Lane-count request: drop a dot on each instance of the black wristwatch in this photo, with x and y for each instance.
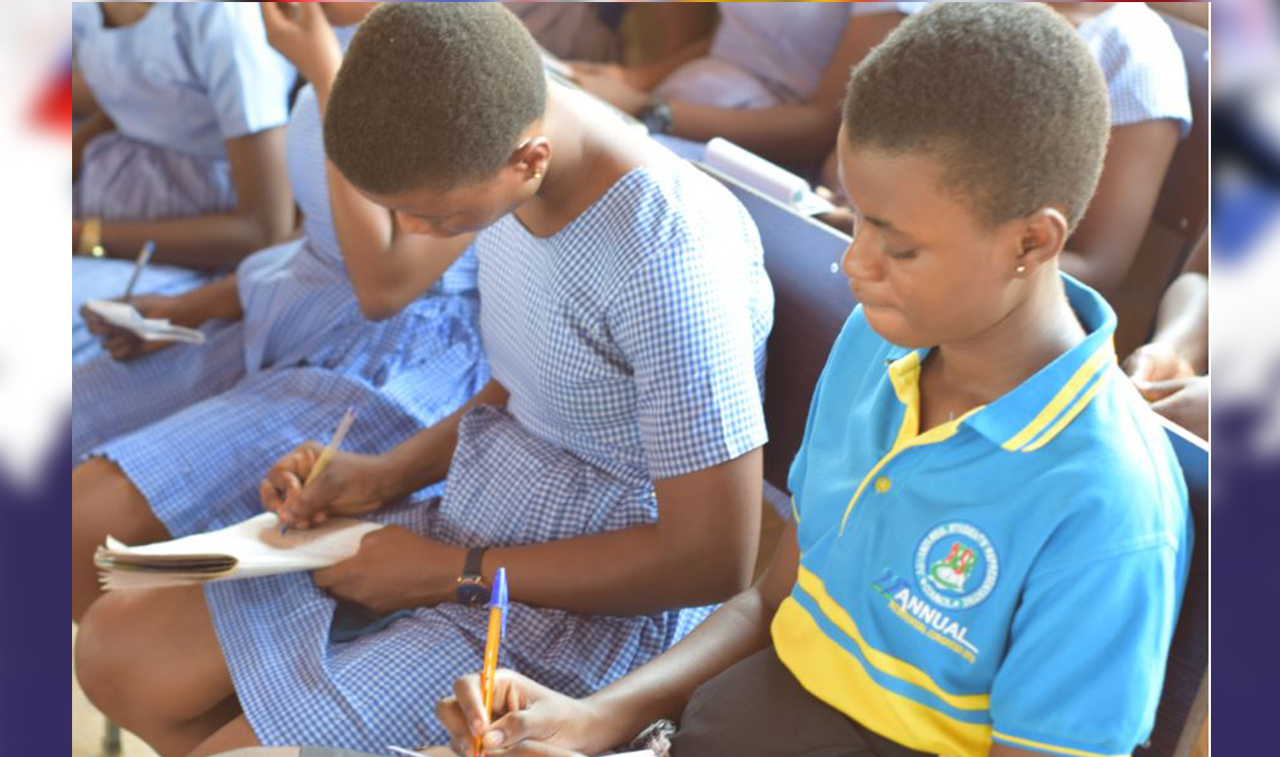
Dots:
(472, 590)
(656, 115)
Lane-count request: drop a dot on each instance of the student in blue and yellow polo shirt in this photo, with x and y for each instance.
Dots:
(991, 534)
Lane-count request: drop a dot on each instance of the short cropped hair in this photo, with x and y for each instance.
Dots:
(1004, 95)
(432, 95)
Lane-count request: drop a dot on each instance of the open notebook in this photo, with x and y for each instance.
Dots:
(254, 547)
(125, 316)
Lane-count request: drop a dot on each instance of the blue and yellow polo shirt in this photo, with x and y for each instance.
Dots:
(1013, 575)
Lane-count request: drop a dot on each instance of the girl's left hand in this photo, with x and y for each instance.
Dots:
(395, 569)
(1185, 401)
(301, 33)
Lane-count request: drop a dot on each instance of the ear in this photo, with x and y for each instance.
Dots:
(532, 157)
(1043, 235)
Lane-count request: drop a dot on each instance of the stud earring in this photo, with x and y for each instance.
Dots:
(1020, 269)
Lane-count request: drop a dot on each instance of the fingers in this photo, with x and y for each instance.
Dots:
(1139, 366)
(122, 345)
(450, 716)
(273, 16)
(469, 699)
(281, 489)
(309, 14)
(326, 578)
(1154, 391)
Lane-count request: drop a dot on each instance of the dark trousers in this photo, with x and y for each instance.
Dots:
(758, 708)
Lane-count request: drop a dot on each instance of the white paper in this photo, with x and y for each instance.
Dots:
(769, 179)
(256, 544)
(125, 316)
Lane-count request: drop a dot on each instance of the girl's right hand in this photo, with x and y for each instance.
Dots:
(1157, 361)
(301, 33)
(349, 485)
(531, 720)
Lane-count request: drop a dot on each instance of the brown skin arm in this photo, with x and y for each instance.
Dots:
(83, 103)
(94, 124)
(355, 483)
(1104, 245)
(650, 568)
(1179, 349)
(263, 214)
(630, 571)
(662, 688)
(534, 720)
(794, 134)
(388, 268)
(801, 133)
(684, 24)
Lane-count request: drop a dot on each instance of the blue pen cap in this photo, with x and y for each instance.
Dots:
(499, 596)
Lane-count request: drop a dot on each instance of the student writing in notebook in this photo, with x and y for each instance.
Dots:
(182, 143)
(625, 311)
(169, 441)
(991, 533)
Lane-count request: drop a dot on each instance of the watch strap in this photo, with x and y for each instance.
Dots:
(471, 566)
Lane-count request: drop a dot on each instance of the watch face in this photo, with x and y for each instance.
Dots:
(470, 593)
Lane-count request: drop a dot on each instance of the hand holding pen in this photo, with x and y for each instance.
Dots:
(301, 497)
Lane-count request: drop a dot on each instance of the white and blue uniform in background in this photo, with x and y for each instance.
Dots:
(178, 84)
(196, 427)
(764, 55)
(632, 343)
(1146, 76)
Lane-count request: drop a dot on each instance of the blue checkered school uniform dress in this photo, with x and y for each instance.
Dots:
(1146, 76)
(632, 343)
(195, 427)
(177, 84)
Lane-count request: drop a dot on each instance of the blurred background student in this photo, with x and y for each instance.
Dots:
(769, 78)
(180, 141)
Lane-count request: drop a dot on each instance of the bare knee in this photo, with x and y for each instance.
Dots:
(104, 501)
(101, 663)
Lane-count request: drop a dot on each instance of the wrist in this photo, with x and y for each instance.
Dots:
(321, 75)
(609, 722)
(218, 300)
(383, 478)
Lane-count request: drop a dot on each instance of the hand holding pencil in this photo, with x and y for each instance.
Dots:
(306, 486)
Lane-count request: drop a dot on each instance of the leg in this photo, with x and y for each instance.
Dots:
(234, 735)
(103, 501)
(757, 707)
(150, 661)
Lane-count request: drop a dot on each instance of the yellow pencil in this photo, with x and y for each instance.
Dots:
(327, 453)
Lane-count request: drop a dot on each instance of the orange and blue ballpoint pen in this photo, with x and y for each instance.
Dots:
(497, 628)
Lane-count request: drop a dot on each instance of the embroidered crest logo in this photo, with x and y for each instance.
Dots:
(950, 573)
(956, 566)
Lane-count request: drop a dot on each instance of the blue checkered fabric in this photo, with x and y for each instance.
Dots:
(632, 342)
(122, 178)
(194, 427)
(635, 336)
(1143, 65)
